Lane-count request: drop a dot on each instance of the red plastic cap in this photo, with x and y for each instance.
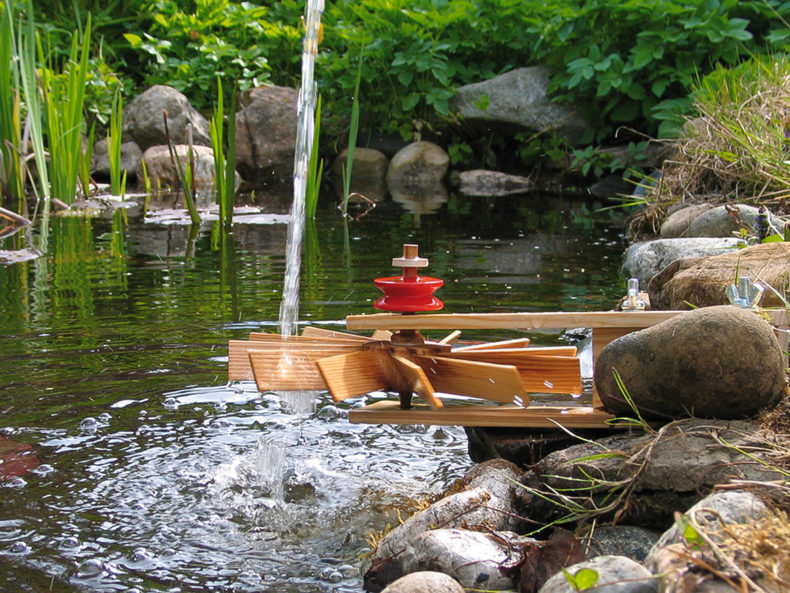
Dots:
(408, 295)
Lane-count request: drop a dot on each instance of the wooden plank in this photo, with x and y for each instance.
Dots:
(545, 320)
(492, 354)
(275, 370)
(451, 338)
(353, 374)
(552, 374)
(388, 412)
(303, 340)
(417, 380)
(495, 382)
(312, 331)
(516, 343)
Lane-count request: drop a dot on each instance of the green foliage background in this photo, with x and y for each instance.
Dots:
(626, 62)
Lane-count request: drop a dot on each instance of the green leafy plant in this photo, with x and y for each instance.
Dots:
(583, 579)
(185, 173)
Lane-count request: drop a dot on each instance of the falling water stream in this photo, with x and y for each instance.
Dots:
(289, 308)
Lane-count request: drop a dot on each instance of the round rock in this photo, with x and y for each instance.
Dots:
(715, 362)
(425, 582)
(417, 167)
(612, 574)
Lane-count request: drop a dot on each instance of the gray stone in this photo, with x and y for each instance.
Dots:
(520, 98)
(425, 582)
(266, 134)
(417, 168)
(615, 574)
(487, 491)
(677, 224)
(702, 282)
(723, 221)
(143, 119)
(163, 173)
(699, 363)
(472, 558)
(623, 540)
(130, 158)
(481, 183)
(368, 173)
(646, 259)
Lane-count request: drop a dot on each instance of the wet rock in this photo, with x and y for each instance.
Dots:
(723, 221)
(670, 470)
(542, 560)
(266, 134)
(425, 582)
(130, 159)
(368, 174)
(611, 186)
(670, 558)
(702, 282)
(470, 557)
(702, 363)
(646, 259)
(615, 574)
(623, 540)
(519, 98)
(163, 172)
(418, 168)
(143, 120)
(677, 224)
(486, 499)
(481, 183)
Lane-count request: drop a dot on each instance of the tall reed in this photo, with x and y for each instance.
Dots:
(315, 170)
(352, 139)
(224, 163)
(34, 126)
(185, 175)
(12, 175)
(64, 102)
(114, 141)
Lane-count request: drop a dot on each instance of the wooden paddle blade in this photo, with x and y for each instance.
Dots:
(495, 382)
(287, 370)
(319, 332)
(516, 343)
(382, 335)
(552, 374)
(417, 380)
(349, 375)
(240, 369)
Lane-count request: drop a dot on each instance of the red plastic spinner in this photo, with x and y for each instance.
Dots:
(409, 293)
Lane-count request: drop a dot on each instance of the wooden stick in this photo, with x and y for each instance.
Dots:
(549, 320)
(312, 331)
(388, 412)
(518, 342)
(418, 382)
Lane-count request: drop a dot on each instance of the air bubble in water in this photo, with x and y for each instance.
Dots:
(19, 548)
(90, 569)
(43, 469)
(170, 403)
(331, 575)
(15, 483)
(89, 424)
(70, 543)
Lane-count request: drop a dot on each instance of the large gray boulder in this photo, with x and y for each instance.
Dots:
(266, 134)
(677, 224)
(368, 172)
(143, 119)
(419, 167)
(646, 259)
(519, 97)
(715, 362)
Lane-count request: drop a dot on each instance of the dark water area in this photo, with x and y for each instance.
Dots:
(143, 470)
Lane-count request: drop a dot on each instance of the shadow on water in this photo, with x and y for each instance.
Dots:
(154, 475)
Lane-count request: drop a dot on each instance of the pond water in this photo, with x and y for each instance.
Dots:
(153, 474)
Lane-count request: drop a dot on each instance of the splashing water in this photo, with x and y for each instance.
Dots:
(289, 307)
